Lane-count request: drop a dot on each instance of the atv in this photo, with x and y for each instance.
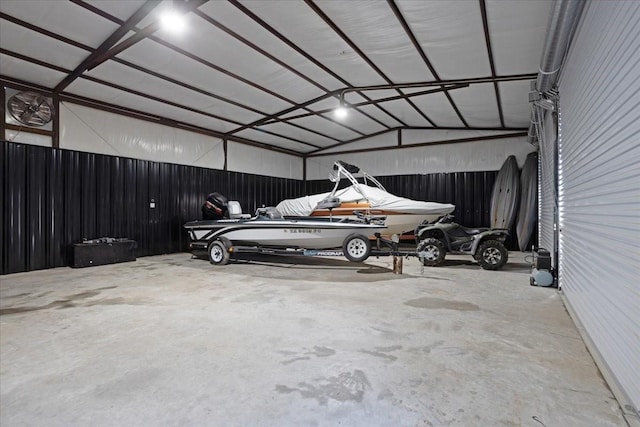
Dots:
(485, 245)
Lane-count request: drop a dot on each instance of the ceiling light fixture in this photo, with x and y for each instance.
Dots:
(173, 21)
(341, 112)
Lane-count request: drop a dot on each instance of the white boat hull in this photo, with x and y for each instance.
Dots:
(403, 223)
(307, 234)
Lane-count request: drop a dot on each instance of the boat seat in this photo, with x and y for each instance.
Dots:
(235, 210)
(329, 203)
(269, 212)
(274, 213)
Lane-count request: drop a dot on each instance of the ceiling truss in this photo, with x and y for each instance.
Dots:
(295, 114)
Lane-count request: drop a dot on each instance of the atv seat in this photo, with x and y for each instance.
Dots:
(474, 231)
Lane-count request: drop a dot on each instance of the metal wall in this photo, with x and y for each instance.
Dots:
(599, 188)
(53, 198)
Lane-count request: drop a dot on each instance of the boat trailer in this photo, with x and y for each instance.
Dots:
(381, 247)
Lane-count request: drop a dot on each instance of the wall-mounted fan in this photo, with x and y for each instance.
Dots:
(30, 109)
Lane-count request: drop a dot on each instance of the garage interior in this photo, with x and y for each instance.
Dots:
(118, 125)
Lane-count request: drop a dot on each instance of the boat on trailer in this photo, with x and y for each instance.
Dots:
(269, 232)
(402, 214)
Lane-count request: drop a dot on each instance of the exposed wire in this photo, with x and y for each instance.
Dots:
(16, 135)
(535, 418)
(94, 131)
(206, 152)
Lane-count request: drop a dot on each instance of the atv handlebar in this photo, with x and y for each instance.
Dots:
(445, 219)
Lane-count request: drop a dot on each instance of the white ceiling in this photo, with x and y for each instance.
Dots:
(271, 71)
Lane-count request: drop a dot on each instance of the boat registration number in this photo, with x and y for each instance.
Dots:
(303, 230)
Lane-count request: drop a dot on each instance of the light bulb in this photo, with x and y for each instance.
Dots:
(172, 21)
(341, 112)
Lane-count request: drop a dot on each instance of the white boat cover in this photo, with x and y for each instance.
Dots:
(379, 199)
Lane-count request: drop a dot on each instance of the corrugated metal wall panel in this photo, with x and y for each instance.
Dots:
(88, 194)
(71, 195)
(3, 183)
(103, 197)
(52, 198)
(141, 233)
(129, 219)
(55, 207)
(547, 208)
(599, 191)
(14, 204)
(35, 194)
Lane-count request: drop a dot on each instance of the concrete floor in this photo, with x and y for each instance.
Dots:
(173, 340)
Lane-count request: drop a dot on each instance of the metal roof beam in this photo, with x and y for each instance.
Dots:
(362, 55)
(210, 65)
(423, 55)
(187, 7)
(281, 63)
(318, 153)
(487, 38)
(103, 49)
(376, 101)
(305, 54)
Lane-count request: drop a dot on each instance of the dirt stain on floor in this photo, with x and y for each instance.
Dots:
(347, 386)
(71, 301)
(442, 304)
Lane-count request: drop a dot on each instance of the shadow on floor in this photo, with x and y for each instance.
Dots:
(336, 269)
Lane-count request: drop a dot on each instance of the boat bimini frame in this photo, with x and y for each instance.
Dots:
(343, 169)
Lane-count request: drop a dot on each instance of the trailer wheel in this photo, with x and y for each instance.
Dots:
(356, 248)
(218, 253)
(433, 252)
(492, 255)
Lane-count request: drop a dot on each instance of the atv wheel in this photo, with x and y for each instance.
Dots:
(356, 248)
(434, 252)
(492, 255)
(218, 253)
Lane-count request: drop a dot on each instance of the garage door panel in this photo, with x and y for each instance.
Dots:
(599, 195)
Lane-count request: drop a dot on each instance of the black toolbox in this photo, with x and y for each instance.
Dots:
(103, 251)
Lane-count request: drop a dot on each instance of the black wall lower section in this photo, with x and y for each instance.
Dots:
(52, 198)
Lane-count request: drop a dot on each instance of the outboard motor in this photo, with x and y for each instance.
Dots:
(215, 207)
(541, 270)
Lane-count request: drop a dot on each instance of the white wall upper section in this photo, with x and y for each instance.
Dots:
(472, 156)
(96, 131)
(248, 159)
(28, 138)
(413, 136)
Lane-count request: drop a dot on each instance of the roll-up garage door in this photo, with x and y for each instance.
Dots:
(547, 203)
(599, 187)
